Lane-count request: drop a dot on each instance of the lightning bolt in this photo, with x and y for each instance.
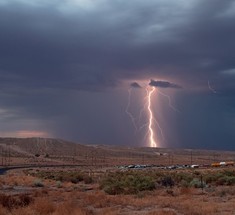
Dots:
(152, 140)
(151, 120)
(143, 110)
(128, 112)
(210, 88)
(169, 101)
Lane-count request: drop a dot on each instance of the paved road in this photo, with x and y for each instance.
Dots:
(3, 170)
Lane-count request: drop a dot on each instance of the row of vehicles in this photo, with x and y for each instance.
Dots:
(194, 166)
(219, 164)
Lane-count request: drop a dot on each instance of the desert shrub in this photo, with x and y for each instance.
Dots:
(87, 179)
(229, 173)
(184, 184)
(197, 173)
(222, 193)
(212, 178)
(113, 188)
(58, 184)
(126, 183)
(8, 201)
(38, 183)
(11, 202)
(225, 177)
(64, 176)
(74, 180)
(197, 183)
(226, 180)
(167, 181)
(183, 176)
(24, 200)
(170, 192)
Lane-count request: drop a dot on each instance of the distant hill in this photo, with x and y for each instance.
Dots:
(48, 150)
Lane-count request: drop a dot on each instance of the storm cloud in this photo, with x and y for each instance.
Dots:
(163, 84)
(62, 63)
(135, 85)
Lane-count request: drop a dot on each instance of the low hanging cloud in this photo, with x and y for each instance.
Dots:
(164, 84)
(135, 85)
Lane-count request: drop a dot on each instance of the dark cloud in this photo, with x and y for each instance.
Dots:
(61, 53)
(74, 46)
(163, 84)
(135, 85)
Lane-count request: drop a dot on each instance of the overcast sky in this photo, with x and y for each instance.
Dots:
(66, 67)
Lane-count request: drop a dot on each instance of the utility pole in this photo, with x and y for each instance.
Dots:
(2, 156)
(191, 157)
(9, 155)
(92, 157)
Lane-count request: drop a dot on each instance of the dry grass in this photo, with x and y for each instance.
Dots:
(162, 212)
(97, 202)
(15, 180)
(3, 211)
(70, 208)
(44, 206)
(185, 191)
(72, 199)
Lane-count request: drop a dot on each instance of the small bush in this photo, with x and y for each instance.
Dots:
(74, 180)
(211, 178)
(183, 177)
(87, 179)
(226, 180)
(184, 184)
(38, 183)
(24, 200)
(58, 184)
(197, 183)
(170, 192)
(229, 173)
(167, 182)
(63, 176)
(8, 202)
